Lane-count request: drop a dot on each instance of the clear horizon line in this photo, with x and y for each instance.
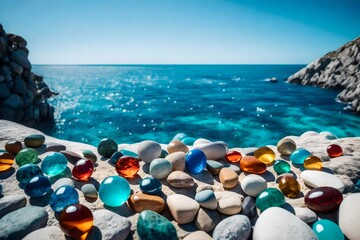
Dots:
(164, 64)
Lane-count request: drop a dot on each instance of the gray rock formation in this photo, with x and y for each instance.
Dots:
(339, 69)
(23, 94)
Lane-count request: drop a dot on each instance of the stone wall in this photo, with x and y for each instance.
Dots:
(23, 94)
(339, 69)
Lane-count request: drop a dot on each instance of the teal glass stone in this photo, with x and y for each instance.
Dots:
(299, 156)
(189, 141)
(270, 197)
(357, 186)
(25, 156)
(151, 225)
(281, 167)
(129, 153)
(115, 157)
(195, 161)
(38, 186)
(326, 229)
(63, 197)
(54, 164)
(150, 185)
(164, 153)
(26, 172)
(107, 147)
(179, 136)
(114, 191)
(2, 150)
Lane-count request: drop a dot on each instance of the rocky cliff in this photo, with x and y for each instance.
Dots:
(339, 69)
(23, 94)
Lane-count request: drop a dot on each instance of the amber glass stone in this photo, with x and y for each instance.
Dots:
(289, 186)
(127, 166)
(76, 220)
(323, 199)
(334, 150)
(13, 147)
(233, 156)
(83, 169)
(251, 164)
(313, 163)
(265, 154)
(6, 161)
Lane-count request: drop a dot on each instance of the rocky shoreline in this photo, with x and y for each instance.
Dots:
(235, 200)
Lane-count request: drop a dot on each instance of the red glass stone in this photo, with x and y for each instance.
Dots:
(233, 156)
(334, 150)
(251, 164)
(83, 169)
(323, 199)
(127, 166)
(13, 147)
(76, 220)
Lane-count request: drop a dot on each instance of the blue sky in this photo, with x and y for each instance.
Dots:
(180, 31)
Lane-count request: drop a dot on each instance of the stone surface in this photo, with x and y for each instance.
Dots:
(198, 235)
(349, 215)
(46, 233)
(265, 154)
(326, 229)
(270, 197)
(206, 220)
(253, 185)
(249, 207)
(278, 224)
(213, 150)
(323, 199)
(180, 179)
(150, 185)
(233, 228)
(228, 178)
(141, 201)
(63, 197)
(214, 167)
(148, 150)
(11, 203)
(177, 146)
(305, 214)
(38, 186)
(71, 156)
(229, 203)
(160, 168)
(15, 226)
(114, 191)
(89, 155)
(286, 146)
(251, 164)
(206, 199)
(76, 220)
(54, 164)
(54, 147)
(34, 140)
(63, 182)
(315, 179)
(195, 161)
(177, 160)
(27, 155)
(289, 186)
(83, 169)
(89, 190)
(182, 208)
(107, 147)
(127, 167)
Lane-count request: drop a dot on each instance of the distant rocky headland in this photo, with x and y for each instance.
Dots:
(23, 94)
(338, 69)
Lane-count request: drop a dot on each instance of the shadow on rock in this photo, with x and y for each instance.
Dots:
(8, 173)
(41, 201)
(205, 177)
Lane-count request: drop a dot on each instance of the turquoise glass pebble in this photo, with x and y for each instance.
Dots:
(195, 161)
(63, 197)
(281, 167)
(114, 191)
(38, 186)
(299, 156)
(357, 186)
(150, 185)
(189, 141)
(179, 136)
(54, 164)
(270, 197)
(326, 229)
(26, 172)
(115, 157)
(129, 153)
(25, 156)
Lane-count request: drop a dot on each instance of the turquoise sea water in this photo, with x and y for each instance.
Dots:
(233, 103)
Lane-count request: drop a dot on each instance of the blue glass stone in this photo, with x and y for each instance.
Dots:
(150, 185)
(326, 229)
(54, 164)
(129, 153)
(299, 156)
(26, 172)
(114, 191)
(115, 157)
(38, 186)
(195, 161)
(189, 141)
(180, 136)
(63, 197)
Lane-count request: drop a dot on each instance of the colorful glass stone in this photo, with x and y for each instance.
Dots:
(270, 197)
(313, 163)
(265, 154)
(27, 155)
(151, 225)
(150, 185)
(233, 156)
(334, 150)
(83, 169)
(54, 164)
(107, 147)
(127, 152)
(13, 147)
(63, 197)
(114, 191)
(34, 140)
(6, 161)
(189, 141)
(326, 229)
(26, 172)
(289, 186)
(116, 156)
(195, 161)
(281, 167)
(37, 186)
(251, 164)
(76, 220)
(323, 199)
(299, 156)
(127, 167)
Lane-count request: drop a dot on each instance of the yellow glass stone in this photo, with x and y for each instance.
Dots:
(289, 186)
(5, 164)
(313, 163)
(265, 154)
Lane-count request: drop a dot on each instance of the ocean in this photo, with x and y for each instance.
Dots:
(233, 103)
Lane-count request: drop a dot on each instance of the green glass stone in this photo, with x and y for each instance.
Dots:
(107, 147)
(281, 167)
(89, 155)
(151, 225)
(270, 197)
(326, 229)
(34, 140)
(1, 150)
(25, 156)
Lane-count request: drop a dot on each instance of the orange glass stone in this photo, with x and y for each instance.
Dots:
(334, 150)
(313, 163)
(6, 161)
(76, 221)
(265, 154)
(233, 156)
(251, 164)
(127, 166)
(289, 186)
